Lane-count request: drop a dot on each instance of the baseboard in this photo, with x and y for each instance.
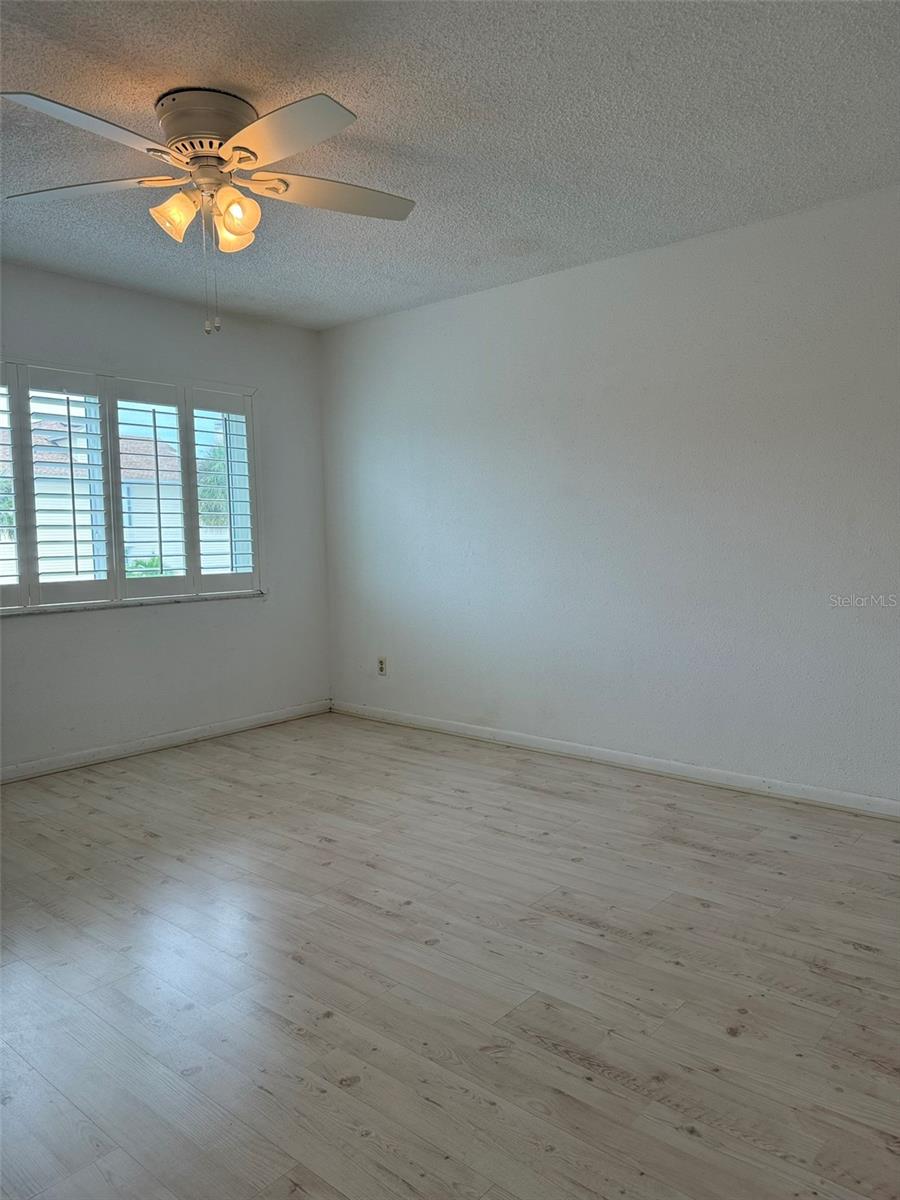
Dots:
(159, 741)
(778, 789)
(873, 805)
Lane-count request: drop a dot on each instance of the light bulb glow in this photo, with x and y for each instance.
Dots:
(230, 243)
(241, 214)
(174, 215)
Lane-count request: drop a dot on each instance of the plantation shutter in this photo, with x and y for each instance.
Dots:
(69, 486)
(148, 481)
(116, 490)
(11, 567)
(226, 517)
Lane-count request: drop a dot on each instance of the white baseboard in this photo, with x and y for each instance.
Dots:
(159, 741)
(777, 788)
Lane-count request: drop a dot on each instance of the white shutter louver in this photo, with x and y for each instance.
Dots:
(150, 487)
(9, 559)
(10, 579)
(224, 507)
(69, 486)
(117, 490)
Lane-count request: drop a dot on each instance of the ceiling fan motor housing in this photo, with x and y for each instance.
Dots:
(197, 121)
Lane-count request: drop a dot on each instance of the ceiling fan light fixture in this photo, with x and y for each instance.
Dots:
(174, 215)
(230, 243)
(241, 214)
(209, 135)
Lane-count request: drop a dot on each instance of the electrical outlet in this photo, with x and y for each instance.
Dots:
(382, 666)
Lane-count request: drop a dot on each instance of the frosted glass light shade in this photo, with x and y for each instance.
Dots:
(241, 214)
(230, 243)
(174, 215)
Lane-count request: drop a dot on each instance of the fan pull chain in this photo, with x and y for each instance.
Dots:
(207, 324)
(217, 320)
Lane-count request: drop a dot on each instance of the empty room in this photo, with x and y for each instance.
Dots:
(450, 586)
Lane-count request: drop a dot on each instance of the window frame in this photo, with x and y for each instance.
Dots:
(32, 596)
(205, 398)
(12, 595)
(143, 391)
(38, 594)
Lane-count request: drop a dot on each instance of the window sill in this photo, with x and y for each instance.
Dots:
(139, 602)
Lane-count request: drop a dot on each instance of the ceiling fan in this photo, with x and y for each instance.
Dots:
(218, 141)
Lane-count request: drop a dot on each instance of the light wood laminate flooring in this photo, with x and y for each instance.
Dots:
(337, 960)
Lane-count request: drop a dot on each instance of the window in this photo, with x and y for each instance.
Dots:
(223, 492)
(115, 489)
(67, 476)
(150, 488)
(9, 556)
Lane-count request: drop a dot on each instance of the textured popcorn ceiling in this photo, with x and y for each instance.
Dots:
(532, 136)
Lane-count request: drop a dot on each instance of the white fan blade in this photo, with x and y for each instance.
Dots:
(290, 130)
(104, 185)
(83, 120)
(328, 193)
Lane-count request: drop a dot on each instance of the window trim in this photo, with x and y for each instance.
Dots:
(172, 395)
(12, 594)
(207, 398)
(35, 593)
(29, 596)
(84, 606)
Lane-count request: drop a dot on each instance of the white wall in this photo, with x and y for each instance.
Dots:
(215, 663)
(610, 505)
(606, 507)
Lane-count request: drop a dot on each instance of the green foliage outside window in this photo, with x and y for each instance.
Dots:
(137, 568)
(7, 510)
(212, 488)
